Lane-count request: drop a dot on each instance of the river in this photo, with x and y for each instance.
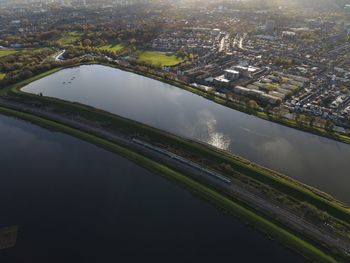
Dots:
(75, 202)
(314, 160)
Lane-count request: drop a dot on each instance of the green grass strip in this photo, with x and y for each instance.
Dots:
(7, 52)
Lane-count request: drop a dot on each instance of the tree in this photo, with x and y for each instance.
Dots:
(227, 168)
(181, 53)
(133, 42)
(329, 126)
(301, 119)
(211, 92)
(86, 42)
(26, 74)
(252, 104)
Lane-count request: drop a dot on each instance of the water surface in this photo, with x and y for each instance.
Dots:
(75, 202)
(314, 160)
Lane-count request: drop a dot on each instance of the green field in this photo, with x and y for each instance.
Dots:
(112, 47)
(69, 38)
(159, 58)
(6, 52)
(2, 76)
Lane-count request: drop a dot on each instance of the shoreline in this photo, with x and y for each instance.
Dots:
(266, 176)
(333, 135)
(15, 90)
(238, 107)
(259, 221)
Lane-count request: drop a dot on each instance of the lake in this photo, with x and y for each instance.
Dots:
(75, 202)
(309, 158)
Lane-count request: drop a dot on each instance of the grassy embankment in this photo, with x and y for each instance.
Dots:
(279, 182)
(21, 84)
(289, 239)
(159, 58)
(6, 52)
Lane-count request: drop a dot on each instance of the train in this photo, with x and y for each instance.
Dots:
(183, 160)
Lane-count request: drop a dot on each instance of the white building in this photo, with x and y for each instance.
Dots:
(231, 74)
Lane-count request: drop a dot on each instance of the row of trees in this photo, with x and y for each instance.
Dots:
(89, 35)
(28, 63)
(23, 59)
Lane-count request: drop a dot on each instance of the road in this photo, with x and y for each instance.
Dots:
(58, 57)
(241, 40)
(233, 188)
(224, 43)
(235, 41)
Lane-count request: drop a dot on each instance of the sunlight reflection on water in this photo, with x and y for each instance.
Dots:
(217, 139)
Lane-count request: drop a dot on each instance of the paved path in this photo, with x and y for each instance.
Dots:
(58, 57)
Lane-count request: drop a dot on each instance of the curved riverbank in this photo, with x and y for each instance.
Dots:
(110, 196)
(239, 107)
(280, 182)
(217, 157)
(266, 225)
(227, 103)
(302, 156)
